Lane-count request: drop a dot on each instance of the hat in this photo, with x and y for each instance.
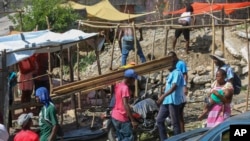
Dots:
(23, 119)
(218, 55)
(4, 135)
(130, 73)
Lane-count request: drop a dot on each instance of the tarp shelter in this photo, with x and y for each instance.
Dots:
(24, 45)
(104, 10)
(201, 8)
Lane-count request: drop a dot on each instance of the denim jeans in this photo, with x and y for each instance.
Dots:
(124, 130)
(127, 45)
(168, 110)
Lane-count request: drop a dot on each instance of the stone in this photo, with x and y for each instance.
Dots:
(236, 69)
(202, 79)
(244, 70)
(208, 85)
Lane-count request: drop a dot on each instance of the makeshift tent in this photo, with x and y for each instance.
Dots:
(104, 10)
(200, 8)
(24, 45)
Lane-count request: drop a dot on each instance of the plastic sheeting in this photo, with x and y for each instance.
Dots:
(200, 8)
(23, 45)
(104, 10)
(145, 106)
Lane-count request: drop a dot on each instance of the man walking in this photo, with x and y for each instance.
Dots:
(121, 113)
(47, 118)
(182, 66)
(185, 20)
(170, 102)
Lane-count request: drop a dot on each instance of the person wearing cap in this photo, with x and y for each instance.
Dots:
(26, 134)
(219, 62)
(182, 66)
(121, 113)
(47, 117)
(4, 135)
(186, 19)
(170, 102)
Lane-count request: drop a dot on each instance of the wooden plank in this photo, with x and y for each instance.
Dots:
(110, 78)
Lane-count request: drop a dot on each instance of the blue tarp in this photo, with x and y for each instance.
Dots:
(24, 45)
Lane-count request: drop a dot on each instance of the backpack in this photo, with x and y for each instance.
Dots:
(236, 84)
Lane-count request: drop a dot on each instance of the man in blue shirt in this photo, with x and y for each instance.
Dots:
(181, 65)
(170, 102)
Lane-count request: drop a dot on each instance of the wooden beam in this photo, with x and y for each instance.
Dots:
(110, 78)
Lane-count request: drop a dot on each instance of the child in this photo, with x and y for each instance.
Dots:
(211, 100)
(219, 91)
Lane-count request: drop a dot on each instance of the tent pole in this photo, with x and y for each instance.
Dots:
(113, 47)
(61, 81)
(49, 70)
(5, 93)
(248, 55)
(222, 30)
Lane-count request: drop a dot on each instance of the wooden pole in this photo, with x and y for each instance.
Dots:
(164, 54)
(78, 69)
(151, 58)
(49, 71)
(113, 47)
(136, 58)
(248, 55)
(98, 59)
(222, 31)
(213, 39)
(21, 20)
(61, 81)
(5, 92)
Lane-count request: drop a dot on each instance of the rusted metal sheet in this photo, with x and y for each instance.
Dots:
(110, 78)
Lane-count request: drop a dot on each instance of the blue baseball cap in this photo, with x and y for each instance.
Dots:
(130, 73)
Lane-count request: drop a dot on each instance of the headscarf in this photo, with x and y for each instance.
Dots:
(43, 95)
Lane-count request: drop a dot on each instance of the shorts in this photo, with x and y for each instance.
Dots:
(182, 107)
(186, 33)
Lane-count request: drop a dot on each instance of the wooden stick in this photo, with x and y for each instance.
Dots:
(222, 30)
(61, 66)
(213, 39)
(98, 60)
(248, 56)
(113, 47)
(164, 54)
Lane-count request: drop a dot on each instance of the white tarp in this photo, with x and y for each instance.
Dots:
(24, 45)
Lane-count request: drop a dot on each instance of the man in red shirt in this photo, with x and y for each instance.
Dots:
(121, 113)
(25, 121)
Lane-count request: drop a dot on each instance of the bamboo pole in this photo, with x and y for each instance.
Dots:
(223, 30)
(163, 25)
(113, 47)
(248, 56)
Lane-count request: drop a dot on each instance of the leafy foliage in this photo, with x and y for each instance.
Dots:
(36, 11)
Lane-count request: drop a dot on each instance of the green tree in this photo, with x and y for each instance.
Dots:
(36, 11)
